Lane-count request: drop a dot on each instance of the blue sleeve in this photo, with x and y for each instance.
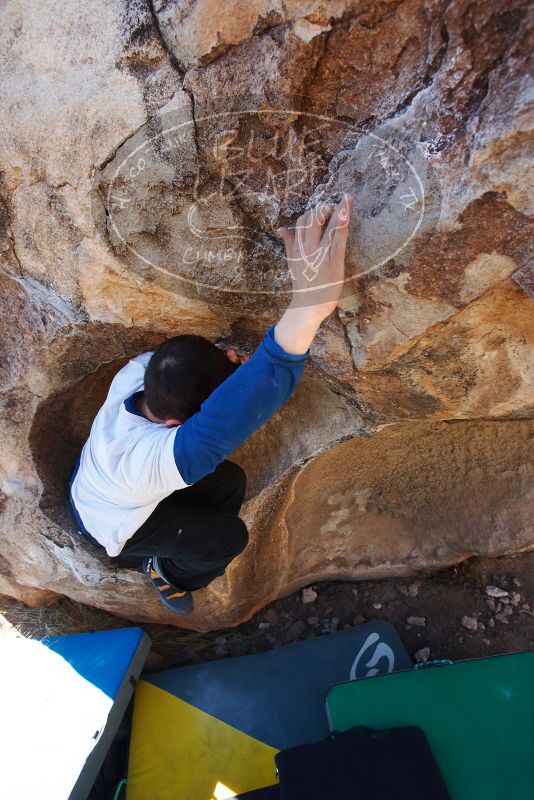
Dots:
(236, 408)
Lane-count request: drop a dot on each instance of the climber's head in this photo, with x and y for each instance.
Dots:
(182, 373)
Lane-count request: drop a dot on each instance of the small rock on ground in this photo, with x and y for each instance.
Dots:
(423, 654)
(471, 623)
(496, 591)
(418, 622)
(295, 630)
(309, 595)
(155, 661)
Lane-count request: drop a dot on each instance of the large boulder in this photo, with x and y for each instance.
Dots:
(148, 153)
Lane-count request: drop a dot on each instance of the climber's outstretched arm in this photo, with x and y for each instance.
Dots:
(256, 390)
(316, 258)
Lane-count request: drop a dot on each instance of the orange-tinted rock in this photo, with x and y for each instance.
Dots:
(29, 595)
(470, 365)
(448, 271)
(199, 33)
(413, 496)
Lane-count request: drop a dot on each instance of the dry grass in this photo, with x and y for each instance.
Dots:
(67, 616)
(64, 617)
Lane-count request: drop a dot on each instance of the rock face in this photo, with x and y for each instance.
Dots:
(148, 154)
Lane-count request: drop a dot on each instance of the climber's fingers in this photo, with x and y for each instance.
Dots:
(288, 238)
(309, 229)
(302, 228)
(232, 356)
(336, 233)
(318, 217)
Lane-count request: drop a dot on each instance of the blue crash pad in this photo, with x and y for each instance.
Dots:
(62, 699)
(212, 730)
(278, 697)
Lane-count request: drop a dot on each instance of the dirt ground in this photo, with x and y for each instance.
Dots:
(449, 614)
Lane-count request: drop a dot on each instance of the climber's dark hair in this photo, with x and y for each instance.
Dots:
(182, 373)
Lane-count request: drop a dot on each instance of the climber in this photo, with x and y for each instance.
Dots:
(152, 483)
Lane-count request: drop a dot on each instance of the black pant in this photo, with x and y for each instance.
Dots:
(195, 531)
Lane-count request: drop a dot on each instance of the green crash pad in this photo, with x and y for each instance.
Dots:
(478, 717)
